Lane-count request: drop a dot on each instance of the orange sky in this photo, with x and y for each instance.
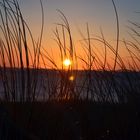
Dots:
(99, 15)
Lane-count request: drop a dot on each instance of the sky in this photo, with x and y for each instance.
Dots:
(99, 14)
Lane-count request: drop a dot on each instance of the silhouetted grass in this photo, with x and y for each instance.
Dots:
(101, 102)
(15, 53)
(23, 81)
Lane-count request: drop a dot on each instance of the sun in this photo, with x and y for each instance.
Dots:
(67, 62)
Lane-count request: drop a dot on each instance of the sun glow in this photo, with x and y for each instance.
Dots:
(67, 62)
(71, 78)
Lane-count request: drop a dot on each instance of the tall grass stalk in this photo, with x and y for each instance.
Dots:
(99, 81)
(16, 57)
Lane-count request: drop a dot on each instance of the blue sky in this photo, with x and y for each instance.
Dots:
(98, 13)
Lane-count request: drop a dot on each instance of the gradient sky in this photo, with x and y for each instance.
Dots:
(97, 13)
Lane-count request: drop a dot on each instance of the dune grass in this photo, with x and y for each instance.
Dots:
(16, 56)
(101, 101)
(22, 78)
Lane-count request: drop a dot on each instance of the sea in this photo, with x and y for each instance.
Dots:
(50, 84)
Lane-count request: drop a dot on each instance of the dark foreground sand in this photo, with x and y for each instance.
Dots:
(69, 120)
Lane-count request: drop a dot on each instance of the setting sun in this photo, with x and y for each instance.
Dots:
(68, 68)
(67, 62)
